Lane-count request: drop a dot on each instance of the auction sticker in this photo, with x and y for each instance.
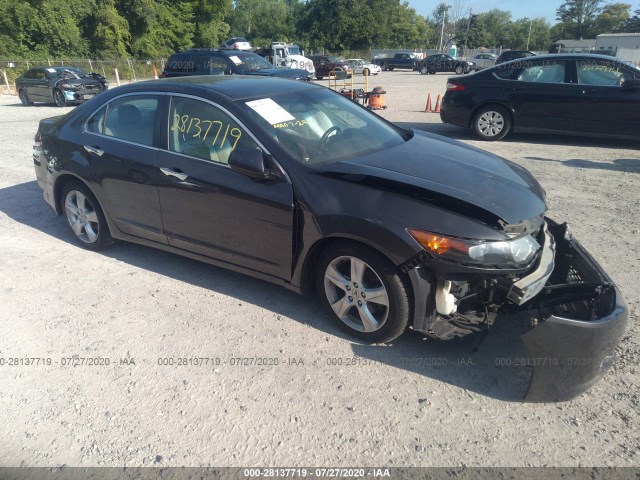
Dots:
(270, 111)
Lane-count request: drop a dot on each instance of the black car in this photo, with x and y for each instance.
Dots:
(60, 85)
(329, 65)
(509, 55)
(566, 93)
(441, 62)
(295, 184)
(207, 61)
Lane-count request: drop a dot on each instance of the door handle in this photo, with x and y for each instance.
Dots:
(96, 150)
(169, 172)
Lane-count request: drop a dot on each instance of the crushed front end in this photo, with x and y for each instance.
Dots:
(577, 314)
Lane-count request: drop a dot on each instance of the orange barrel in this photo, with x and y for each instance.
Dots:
(376, 98)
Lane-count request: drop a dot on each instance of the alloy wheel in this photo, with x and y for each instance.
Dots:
(491, 124)
(356, 294)
(82, 216)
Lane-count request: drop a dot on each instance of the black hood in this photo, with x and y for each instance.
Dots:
(451, 175)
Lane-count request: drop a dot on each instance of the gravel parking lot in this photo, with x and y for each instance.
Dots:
(308, 395)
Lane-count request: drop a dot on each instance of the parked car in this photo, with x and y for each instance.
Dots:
(483, 60)
(328, 65)
(295, 184)
(441, 62)
(205, 61)
(59, 85)
(580, 94)
(512, 55)
(236, 43)
(362, 67)
(399, 60)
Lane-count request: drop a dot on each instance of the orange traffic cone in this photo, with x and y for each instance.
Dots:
(427, 108)
(155, 72)
(437, 109)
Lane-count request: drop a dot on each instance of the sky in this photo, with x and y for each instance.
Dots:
(519, 8)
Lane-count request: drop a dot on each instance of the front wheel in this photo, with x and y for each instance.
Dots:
(365, 294)
(492, 122)
(424, 71)
(85, 216)
(459, 70)
(59, 98)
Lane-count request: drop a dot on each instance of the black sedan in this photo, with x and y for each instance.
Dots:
(444, 63)
(60, 85)
(568, 94)
(293, 183)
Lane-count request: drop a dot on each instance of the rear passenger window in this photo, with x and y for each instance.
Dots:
(201, 130)
(549, 71)
(130, 118)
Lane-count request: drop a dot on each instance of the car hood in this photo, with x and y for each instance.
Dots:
(79, 81)
(279, 72)
(453, 176)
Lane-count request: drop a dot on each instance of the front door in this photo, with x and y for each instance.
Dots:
(209, 209)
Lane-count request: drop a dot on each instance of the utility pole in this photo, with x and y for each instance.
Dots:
(444, 17)
(529, 36)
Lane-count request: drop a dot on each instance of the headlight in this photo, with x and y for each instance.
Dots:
(506, 253)
(68, 86)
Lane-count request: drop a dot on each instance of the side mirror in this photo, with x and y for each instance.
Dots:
(631, 84)
(249, 162)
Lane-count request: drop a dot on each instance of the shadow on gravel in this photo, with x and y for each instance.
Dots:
(460, 133)
(628, 165)
(492, 368)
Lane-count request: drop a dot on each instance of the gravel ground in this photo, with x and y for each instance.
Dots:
(329, 401)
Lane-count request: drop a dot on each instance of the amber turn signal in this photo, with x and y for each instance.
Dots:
(438, 244)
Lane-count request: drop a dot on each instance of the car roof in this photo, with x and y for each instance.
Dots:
(233, 87)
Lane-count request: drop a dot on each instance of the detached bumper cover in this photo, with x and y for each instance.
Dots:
(580, 325)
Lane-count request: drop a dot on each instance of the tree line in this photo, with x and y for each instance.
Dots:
(156, 28)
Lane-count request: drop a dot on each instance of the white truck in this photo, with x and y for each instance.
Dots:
(286, 55)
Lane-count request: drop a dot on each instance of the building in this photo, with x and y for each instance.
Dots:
(615, 41)
(573, 46)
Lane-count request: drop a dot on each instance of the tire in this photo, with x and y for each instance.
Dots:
(319, 77)
(24, 98)
(372, 303)
(424, 71)
(59, 98)
(85, 217)
(390, 68)
(385, 67)
(492, 122)
(459, 70)
(366, 72)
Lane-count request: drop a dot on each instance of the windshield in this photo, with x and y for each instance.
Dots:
(319, 127)
(248, 62)
(294, 50)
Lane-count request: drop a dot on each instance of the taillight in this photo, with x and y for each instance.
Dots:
(454, 87)
(37, 141)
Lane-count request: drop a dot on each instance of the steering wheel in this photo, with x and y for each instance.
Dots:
(325, 136)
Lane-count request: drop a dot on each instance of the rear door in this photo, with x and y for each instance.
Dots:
(607, 106)
(120, 143)
(209, 209)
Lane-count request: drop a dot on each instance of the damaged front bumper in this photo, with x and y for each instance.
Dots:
(580, 318)
(577, 313)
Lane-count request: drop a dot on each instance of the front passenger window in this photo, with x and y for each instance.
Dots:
(201, 130)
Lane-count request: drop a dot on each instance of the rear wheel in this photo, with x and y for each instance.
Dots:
(319, 77)
(59, 98)
(85, 217)
(24, 98)
(424, 70)
(365, 294)
(492, 122)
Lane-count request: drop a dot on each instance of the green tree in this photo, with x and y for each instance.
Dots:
(613, 18)
(111, 36)
(578, 17)
(633, 24)
(210, 27)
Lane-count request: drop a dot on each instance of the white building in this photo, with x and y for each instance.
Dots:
(615, 41)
